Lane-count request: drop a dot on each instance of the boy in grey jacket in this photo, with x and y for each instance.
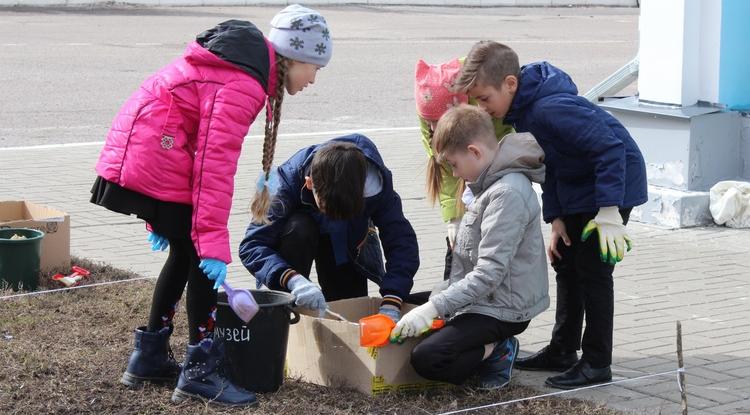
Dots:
(498, 281)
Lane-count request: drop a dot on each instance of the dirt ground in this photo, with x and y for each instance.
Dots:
(63, 353)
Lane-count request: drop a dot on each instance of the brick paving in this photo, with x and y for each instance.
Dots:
(697, 275)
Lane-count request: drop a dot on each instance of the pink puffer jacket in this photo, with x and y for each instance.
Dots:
(179, 136)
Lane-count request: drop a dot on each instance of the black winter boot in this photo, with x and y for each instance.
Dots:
(202, 377)
(151, 359)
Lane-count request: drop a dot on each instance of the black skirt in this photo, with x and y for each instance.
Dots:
(168, 219)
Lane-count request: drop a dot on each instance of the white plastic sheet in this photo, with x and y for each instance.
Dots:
(730, 204)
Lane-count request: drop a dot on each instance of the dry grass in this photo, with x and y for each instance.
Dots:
(63, 353)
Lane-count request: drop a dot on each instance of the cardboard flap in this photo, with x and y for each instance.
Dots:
(43, 213)
(21, 210)
(11, 211)
(355, 308)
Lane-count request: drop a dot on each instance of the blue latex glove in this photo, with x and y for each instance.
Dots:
(391, 311)
(307, 294)
(215, 270)
(158, 243)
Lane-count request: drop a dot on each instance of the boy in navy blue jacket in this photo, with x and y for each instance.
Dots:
(330, 198)
(595, 175)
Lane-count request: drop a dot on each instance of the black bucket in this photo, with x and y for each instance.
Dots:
(256, 352)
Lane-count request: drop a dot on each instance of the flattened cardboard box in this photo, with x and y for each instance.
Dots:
(54, 223)
(327, 352)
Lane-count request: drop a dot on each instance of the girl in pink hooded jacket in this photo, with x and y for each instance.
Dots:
(170, 158)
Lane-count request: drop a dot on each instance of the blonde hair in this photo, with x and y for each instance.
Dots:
(262, 200)
(435, 172)
(459, 127)
(488, 63)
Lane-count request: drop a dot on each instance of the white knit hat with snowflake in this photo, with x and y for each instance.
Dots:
(300, 33)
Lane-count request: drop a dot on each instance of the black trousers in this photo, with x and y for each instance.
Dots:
(181, 269)
(302, 244)
(584, 288)
(454, 353)
(448, 260)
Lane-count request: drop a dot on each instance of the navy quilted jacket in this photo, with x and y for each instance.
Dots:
(384, 209)
(592, 161)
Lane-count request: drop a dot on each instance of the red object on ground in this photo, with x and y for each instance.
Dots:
(74, 278)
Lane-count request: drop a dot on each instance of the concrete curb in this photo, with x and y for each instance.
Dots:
(462, 3)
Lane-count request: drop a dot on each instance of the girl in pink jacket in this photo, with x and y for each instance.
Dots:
(170, 158)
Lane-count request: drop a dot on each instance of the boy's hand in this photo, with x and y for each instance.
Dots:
(415, 322)
(613, 237)
(558, 232)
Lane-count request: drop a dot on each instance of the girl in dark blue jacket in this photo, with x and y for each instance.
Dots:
(595, 175)
(331, 202)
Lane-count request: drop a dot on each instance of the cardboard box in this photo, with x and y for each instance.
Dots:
(54, 223)
(327, 352)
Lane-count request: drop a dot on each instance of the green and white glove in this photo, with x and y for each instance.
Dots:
(415, 323)
(613, 237)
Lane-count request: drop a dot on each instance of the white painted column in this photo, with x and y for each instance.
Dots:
(670, 51)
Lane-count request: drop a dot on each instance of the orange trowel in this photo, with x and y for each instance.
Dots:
(375, 330)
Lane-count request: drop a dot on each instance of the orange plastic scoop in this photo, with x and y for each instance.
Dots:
(375, 330)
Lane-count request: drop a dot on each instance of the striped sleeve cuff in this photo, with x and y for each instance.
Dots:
(286, 276)
(392, 300)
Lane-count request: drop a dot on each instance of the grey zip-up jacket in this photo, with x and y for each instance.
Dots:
(499, 266)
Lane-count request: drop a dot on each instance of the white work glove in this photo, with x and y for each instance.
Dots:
(613, 237)
(415, 323)
(307, 295)
(452, 231)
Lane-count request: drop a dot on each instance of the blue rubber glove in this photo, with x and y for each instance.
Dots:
(391, 311)
(158, 243)
(215, 270)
